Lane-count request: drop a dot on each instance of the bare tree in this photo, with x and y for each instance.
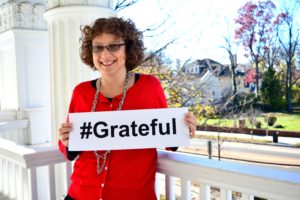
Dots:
(272, 52)
(162, 32)
(288, 34)
(233, 65)
(122, 4)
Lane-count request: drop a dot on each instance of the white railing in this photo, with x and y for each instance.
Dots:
(13, 127)
(183, 175)
(272, 184)
(8, 115)
(19, 167)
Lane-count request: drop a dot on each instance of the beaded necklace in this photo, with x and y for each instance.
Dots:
(104, 155)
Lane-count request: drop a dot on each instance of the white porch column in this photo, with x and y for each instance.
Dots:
(64, 19)
(24, 69)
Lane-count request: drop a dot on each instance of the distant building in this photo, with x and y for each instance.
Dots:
(214, 80)
(241, 70)
(249, 77)
(200, 67)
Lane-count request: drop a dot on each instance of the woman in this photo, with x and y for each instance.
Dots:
(114, 47)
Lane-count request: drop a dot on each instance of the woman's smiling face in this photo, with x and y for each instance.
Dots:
(109, 54)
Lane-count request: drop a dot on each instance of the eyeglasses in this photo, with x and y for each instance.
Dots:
(110, 47)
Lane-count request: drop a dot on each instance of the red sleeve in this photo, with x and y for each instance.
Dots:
(70, 155)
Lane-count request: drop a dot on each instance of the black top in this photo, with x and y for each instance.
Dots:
(136, 78)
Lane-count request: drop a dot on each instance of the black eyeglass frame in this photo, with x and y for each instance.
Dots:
(113, 47)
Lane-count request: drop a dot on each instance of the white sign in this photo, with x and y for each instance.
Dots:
(131, 129)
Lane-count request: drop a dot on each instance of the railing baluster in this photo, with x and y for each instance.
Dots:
(12, 180)
(186, 189)
(170, 189)
(225, 194)
(5, 177)
(157, 185)
(9, 181)
(69, 167)
(19, 182)
(52, 188)
(32, 183)
(1, 175)
(204, 192)
(25, 186)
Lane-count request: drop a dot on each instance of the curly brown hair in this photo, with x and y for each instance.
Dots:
(119, 27)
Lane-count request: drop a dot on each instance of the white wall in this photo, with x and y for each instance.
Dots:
(8, 72)
(25, 79)
(32, 50)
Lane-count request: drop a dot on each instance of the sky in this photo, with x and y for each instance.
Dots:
(199, 25)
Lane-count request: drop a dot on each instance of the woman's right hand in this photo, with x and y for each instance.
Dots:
(64, 132)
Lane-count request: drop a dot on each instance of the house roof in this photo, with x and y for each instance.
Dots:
(204, 65)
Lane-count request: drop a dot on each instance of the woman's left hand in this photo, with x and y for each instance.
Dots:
(191, 121)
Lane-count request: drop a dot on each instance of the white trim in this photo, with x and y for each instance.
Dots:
(77, 10)
(8, 115)
(6, 35)
(29, 32)
(12, 125)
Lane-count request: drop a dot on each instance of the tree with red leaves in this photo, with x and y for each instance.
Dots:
(255, 29)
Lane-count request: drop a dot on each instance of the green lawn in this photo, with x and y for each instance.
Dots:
(290, 122)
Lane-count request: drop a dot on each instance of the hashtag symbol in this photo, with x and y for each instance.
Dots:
(86, 130)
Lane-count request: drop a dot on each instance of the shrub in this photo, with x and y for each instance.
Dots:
(257, 124)
(278, 126)
(271, 119)
(259, 198)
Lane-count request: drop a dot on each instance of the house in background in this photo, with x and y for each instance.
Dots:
(249, 80)
(199, 68)
(213, 78)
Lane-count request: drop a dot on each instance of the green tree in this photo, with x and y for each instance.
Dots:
(271, 93)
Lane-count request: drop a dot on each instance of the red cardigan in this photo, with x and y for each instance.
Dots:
(129, 174)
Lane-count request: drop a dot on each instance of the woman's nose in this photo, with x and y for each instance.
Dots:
(105, 53)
